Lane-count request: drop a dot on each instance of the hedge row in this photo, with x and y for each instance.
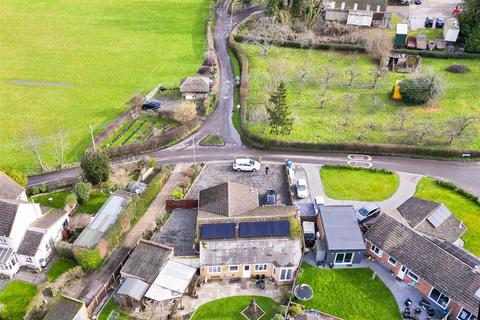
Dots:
(339, 166)
(463, 192)
(439, 54)
(385, 149)
(317, 46)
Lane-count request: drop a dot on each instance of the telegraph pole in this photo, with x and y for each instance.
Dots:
(194, 158)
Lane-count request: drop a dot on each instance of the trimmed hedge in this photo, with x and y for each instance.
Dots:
(89, 260)
(440, 54)
(341, 166)
(453, 187)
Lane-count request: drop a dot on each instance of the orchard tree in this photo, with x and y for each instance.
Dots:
(95, 166)
(279, 113)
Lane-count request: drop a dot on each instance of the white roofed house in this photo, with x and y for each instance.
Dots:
(27, 231)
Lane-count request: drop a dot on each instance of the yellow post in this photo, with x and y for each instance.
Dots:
(396, 90)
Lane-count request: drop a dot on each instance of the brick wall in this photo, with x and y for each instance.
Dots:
(171, 204)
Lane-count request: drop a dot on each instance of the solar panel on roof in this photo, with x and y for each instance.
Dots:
(439, 216)
(459, 253)
(264, 229)
(217, 231)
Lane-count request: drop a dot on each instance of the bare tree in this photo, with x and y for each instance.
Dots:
(35, 147)
(306, 69)
(348, 107)
(457, 126)
(376, 104)
(403, 115)
(329, 71)
(148, 312)
(267, 32)
(422, 129)
(185, 112)
(378, 44)
(352, 71)
(136, 101)
(61, 147)
(377, 73)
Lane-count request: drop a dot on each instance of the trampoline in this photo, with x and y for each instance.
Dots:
(303, 292)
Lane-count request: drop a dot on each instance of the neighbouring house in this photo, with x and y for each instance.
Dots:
(193, 88)
(447, 276)
(103, 220)
(27, 231)
(432, 219)
(10, 190)
(364, 13)
(66, 308)
(238, 238)
(150, 275)
(340, 242)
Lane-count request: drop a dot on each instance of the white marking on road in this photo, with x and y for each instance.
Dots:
(360, 164)
(359, 157)
(225, 97)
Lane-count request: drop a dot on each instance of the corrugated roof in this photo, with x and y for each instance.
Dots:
(341, 228)
(134, 288)
(9, 189)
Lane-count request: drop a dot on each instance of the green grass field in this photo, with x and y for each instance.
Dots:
(350, 294)
(109, 307)
(15, 298)
(84, 60)
(368, 121)
(358, 184)
(230, 308)
(212, 139)
(465, 209)
(97, 199)
(59, 267)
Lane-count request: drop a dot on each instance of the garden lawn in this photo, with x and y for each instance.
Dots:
(431, 33)
(109, 307)
(59, 267)
(75, 63)
(15, 298)
(372, 116)
(230, 308)
(350, 294)
(465, 209)
(58, 199)
(96, 201)
(345, 183)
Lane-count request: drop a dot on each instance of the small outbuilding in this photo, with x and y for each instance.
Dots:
(340, 239)
(401, 35)
(193, 88)
(66, 308)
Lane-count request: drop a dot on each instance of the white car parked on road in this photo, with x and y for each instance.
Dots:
(302, 190)
(246, 165)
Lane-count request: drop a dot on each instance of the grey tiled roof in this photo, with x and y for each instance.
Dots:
(64, 309)
(50, 216)
(9, 189)
(228, 199)
(450, 230)
(8, 211)
(30, 243)
(430, 262)
(146, 260)
(263, 213)
(415, 210)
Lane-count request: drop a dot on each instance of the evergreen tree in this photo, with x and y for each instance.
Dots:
(470, 25)
(279, 113)
(96, 166)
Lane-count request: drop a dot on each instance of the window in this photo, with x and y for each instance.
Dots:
(392, 261)
(214, 269)
(355, 6)
(261, 267)
(439, 298)
(343, 6)
(413, 276)
(286, 274)
(14, 260)
(29, 259)
(466, 315)
(376, 250)
(368, 7)
(378, 8)
(344, 258)
(233, 268)
(332, 5)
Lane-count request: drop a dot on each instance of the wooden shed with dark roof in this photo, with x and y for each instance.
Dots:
(66, 308)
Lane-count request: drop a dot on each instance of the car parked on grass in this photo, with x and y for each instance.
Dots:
(246, 165)
(271, 197)
(302, 189)
(317, 202)
(440, 22)
(151, 105)
(367, 212)
(428, 22)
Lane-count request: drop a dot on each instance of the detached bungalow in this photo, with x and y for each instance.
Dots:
(446, 275)
(193, 88)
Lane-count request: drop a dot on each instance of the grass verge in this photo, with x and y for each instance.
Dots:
(59, 267)
(349, 293)
(230, 308)
(467, 210)
(15, 298)
(212, 139)
(348, 183)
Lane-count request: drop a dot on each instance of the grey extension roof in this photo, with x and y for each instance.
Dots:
(280, 252)
(30, 243)
(228, 199)
(103, 220)
(263, 213)
(195, 85)
(64, 309)
(430, 262)
(50, 217)
(341, 228)
(415, 210)
(134, 288)
(9, 189)
(8, 212)
(146, 261)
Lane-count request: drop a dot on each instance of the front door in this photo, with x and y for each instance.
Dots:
(401, 273)
(246, 271)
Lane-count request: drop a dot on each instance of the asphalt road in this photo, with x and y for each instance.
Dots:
(416, 14)
(464, 174)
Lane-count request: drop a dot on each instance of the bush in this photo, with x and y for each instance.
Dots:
(458, 68)
(177, 193)
(89, 260)
(96, 166)
(152, 163)
(419, 90)
(15, 175)
(185, 112)
(82, 191)
(463, 192)
(34, 190)
(43, 188)
(295, 309)
(70, 202)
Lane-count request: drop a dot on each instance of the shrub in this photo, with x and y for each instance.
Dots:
(463, 192)
(82, 191)
(96, 166)
(15, 175)
(177, 193)
(458, 68)
(185, 112)
(70, 202)
(34, 190)
(152, 163)
(295, 309)
(89, 260)
(419, 90)
(43, 188)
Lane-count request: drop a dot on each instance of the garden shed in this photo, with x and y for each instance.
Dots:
(401, 35)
